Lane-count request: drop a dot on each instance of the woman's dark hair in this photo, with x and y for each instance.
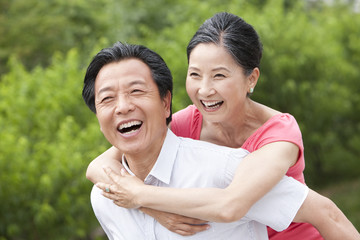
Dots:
(120, 51)
(237, 36)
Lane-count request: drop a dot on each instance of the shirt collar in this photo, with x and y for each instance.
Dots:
(163, 167)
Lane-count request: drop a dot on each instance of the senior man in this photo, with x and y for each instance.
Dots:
(129, 87)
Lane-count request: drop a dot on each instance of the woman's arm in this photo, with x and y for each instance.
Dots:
(111, 158)
(182, 225)
(326, 217)
(256, 175)
(317, 210)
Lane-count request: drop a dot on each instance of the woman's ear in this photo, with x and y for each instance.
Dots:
(253, 78)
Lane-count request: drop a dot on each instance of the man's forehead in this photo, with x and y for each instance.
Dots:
(124, 74)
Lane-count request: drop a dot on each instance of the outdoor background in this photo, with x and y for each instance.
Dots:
(310, 68)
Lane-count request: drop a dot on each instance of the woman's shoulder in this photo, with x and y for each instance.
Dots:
(270, 118)
(281, 120)
(279, 127)
(280, 124)
(187, 122)
(191, 109)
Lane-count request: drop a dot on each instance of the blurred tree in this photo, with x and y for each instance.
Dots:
(309, 69)
(33, 30)
(47, 137)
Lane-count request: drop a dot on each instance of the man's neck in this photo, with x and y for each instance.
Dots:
(142, 163)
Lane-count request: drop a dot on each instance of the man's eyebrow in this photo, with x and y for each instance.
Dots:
(135, 82)
(104, 89)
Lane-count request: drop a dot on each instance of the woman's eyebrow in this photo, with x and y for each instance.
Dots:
(221, 68)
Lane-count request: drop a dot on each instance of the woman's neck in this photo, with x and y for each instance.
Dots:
(235, 131)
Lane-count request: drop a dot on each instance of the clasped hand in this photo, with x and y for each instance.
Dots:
(125, 189)
(122, 189)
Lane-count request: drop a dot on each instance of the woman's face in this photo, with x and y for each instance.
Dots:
(215, 83)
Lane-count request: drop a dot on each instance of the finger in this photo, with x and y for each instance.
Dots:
(184, 233)
(123, 172)
(199, 228)
(106, 188)
(192, 221)
(193, 228)
(188, 230)
(188, 220)
(110, 196)
(112, 175)
(120, 203)
(102, 186)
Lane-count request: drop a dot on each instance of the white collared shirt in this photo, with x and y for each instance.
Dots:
(187, 163)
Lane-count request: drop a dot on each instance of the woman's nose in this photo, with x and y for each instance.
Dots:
(206, 88)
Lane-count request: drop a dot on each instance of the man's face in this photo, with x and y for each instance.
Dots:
(131, 114)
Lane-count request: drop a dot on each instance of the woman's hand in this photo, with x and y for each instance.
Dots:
(123, 188)
(181, 225)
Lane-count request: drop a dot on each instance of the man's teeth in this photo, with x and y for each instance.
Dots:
(211, 104)
(130, 127)
(129, 124)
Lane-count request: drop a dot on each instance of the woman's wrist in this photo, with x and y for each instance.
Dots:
(145, 196)
(140, 195)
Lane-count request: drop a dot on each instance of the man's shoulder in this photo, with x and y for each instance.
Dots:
(96, 196)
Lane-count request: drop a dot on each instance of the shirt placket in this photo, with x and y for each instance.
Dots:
(149, 228)
(148, 220)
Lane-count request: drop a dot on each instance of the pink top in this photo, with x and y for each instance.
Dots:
(280, 127)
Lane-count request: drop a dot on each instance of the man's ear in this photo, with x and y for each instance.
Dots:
(99, 124)
(167, 103)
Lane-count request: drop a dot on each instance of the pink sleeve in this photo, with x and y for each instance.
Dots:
(282, 127)
(187, 123)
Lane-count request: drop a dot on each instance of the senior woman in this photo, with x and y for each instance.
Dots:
(224, 60)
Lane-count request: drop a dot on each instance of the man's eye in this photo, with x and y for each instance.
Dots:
(136, 91)
(106, 99)
(194, 74)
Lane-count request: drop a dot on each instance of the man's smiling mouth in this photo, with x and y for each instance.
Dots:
(130, 127)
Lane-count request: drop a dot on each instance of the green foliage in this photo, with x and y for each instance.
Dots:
(310, 69)
(34, 30)
(47, 138)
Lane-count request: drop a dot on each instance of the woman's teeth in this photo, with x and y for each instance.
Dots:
(212, 104)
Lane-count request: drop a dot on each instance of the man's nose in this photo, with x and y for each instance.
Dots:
(124, 104)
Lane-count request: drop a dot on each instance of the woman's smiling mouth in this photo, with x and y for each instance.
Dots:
(211, 105)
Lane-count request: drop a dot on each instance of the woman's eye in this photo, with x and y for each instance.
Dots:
(219, 75)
